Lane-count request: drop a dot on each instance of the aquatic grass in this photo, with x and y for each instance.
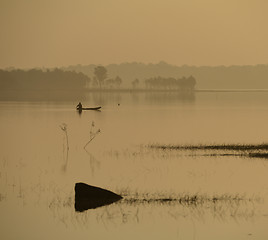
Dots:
(235, 150)
(259, 155)
(232, 147)
(57, 202)
(139, 206)
(189, 200)
(222, 208)
(183, 198)
(220, 155)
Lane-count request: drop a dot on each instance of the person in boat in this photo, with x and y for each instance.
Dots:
(79, 106)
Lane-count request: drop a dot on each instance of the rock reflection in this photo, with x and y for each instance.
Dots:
(220, 209)
(129, 211)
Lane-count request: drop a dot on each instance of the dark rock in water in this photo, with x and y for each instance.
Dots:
(89, 197)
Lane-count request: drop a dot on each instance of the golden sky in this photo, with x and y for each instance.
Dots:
(49, 33)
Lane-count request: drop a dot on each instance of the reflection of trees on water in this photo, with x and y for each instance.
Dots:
(154, 97)
(102, 98)
(44, 95)
(169, 97)
(135, 97)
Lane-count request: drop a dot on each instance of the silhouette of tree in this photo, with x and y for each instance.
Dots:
(118, 81)
(113, 82)
(100, 73)
(135, 83)
(94, 82)
(191, 82)
(109, 82)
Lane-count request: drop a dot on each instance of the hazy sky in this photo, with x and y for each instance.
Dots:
(36, 33)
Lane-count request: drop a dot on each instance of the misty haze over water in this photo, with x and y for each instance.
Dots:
(133, 119)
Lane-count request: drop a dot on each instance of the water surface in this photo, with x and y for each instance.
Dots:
(38, 172)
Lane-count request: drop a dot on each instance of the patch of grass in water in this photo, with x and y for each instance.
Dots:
(258, 155)
(236, 150)
(186, 200)
(233, 147)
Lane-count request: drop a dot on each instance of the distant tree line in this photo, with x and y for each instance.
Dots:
(100, 80)
(36, 79)
(59, 79)
(208, 77)
(182, 84)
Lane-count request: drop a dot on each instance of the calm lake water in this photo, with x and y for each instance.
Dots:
(38, 173)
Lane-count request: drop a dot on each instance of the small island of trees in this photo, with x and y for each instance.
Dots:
(182, 84)
(101, 81)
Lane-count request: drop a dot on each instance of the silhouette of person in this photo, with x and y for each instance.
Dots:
(79, 106)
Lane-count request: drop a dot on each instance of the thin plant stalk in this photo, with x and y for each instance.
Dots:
(67, 141)
(92, 134)
(89, 141)
(64, 129)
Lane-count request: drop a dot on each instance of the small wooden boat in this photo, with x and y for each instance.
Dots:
(90, 197)
(94, 108)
